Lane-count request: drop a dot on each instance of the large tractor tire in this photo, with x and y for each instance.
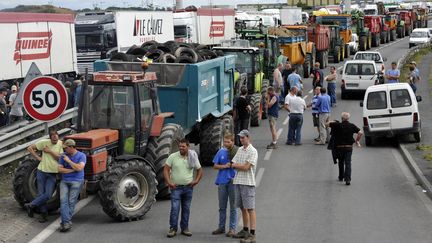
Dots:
(399, 32)
(375, 40)
(307, 66)
(256, 113)
(158, 150)
(369, 41)
(211, 137)
(383, 37)
(25, 186)
(347, 51)
(228, 123)
(362, 43)
(392, 35)
(128, 189)
(265, 85)
(336, 55)
(342, 53)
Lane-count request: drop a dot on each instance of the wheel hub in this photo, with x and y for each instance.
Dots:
(132, 191)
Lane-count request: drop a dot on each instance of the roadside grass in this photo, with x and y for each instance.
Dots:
(417, 57)
(427, 150)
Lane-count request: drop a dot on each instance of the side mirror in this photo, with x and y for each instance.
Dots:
(418, 98)
(385, 59)
(361, 103)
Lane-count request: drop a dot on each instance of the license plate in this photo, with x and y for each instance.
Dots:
(352, 85)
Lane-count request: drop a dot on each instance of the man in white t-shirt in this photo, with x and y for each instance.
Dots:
(297, 105)
(16, 113)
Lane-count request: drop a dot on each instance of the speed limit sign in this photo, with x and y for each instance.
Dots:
(45, 98)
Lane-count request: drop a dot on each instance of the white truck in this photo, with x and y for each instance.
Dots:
(207, 26)
(45, 39)
(101, 34)
(291, 16)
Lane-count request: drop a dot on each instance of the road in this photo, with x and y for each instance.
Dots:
(298, 197)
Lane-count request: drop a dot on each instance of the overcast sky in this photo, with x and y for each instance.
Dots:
(80, 4)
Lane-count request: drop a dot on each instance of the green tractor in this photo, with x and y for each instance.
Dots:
(363, 33)
(336, 44)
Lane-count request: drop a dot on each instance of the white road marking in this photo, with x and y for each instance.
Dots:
(50, 229)
(286, 120)
(310, 91)
(270, 151)
(279, 132)
(339, 68)
(305, 97)
(259, 177)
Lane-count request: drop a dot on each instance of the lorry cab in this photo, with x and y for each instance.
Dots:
(389, 110)
(357, 76)
(419, 36)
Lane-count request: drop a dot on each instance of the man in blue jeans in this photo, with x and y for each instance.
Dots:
(46, 172)
(179, 176)
(331, 85)
(297, 106)
(71, 166)
(226, 190)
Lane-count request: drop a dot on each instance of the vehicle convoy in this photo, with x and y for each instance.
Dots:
(362, 31)
(390, 110)
(207, 26)
(320, 35)
(48, 40)
(404, 23)
(102, 34)
(420, 36)
(391, 21)
(357, 76)
(377, 28)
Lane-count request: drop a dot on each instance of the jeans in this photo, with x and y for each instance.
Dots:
(294, 128)
(181, 196)
(225, 192)
(331, 89)
(324, 131)
(46, 183)
(69, 192)
(414, 87)
(344, 157)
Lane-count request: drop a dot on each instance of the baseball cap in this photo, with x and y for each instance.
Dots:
(244, 133)
(14, 88)
(413, 62)
(68, 143)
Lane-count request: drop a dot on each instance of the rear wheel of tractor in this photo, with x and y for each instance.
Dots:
(383, 37)
(347, 51)
(375, 40)
(362, 43)
(265, 85)
(158, 150)
(211, 138)
(342, 53)
(25, 186)
(417, 137)
(228, 123)
(336, 55)
(368, 141)
(307, 66)
(256, 112)
(369, 41)
(392, 35)
(128, 189)
(388, 37)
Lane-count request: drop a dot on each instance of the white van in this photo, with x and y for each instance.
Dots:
(390, 110)
(419, 36)
(357, 76)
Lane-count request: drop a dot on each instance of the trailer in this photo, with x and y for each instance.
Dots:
(200, 95)
(375, 28)
(320, 35)
(344, 21)
(48, 40)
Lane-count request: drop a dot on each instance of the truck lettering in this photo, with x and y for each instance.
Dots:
(143, 27)
(217, 29)
(32, 46)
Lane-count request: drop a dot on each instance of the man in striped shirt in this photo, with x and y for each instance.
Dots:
(315, 111)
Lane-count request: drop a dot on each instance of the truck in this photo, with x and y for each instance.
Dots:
(207, 26)
(102, 34)
(320, 35)
(344, 21)
(391, 21)
(48, 40)
(376, 28)
(362, 31)
(404, 23)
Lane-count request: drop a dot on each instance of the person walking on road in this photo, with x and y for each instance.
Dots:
(297, 107)
(343, 143)
(245, 162)
(273, 114)
(241, 112)
(393, 74)
(285, 73)
(179, 176)
(295, 80)
(324, 109)
(46, 172)
(315, 111)
(331, 85)
(16, 112)
(317, 76)
(3, 107)
(71, 166)
(224, 181)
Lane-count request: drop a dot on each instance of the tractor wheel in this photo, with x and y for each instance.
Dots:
(265, 85)
(211, 137)
(375, 40)
(158, 150)
(336, 55)
(25, 186)
(342, 53)
(383, 37)
(362, 43)
(369, 41)
(392, 35)
(347, 51)
(228, 123)
(307, 66)
(388, 37)
(256, 113)
(128, 189)
(368, 141)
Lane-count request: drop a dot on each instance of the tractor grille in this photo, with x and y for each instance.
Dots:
(88, 169)
(83, 143)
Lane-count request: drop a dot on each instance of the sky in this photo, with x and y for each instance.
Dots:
(80, 4)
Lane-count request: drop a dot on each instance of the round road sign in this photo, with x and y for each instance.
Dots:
(45, 98)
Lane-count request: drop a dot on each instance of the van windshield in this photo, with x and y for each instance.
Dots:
(359, 69)
(377, 100)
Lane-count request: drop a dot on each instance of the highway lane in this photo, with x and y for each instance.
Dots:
(298, 199)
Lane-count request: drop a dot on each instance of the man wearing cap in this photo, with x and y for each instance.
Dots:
(416, 70)
(71, 166)
(16, 113)
(245, 162)
(393, 74)
(3, 109)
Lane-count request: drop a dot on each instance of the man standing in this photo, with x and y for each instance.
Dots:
(331, 85)
(16, 113)
(297, 107)
(71, 166)
(413, 78)
(285, 73)
(3, 107)
(224, 181)
(277, 79)
(344, 140)
(324, 109)
(295, 80)
(315, 111)
(46, 172)
(317, 75)
(273, 114)
(241, 112)
(417, 71)
(245, 162)
(393, 74)
(179, 176)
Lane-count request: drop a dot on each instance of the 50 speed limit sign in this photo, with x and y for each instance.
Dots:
(45, 98)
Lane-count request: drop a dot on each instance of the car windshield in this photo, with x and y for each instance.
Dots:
(368, 56)
(180, 31)
(419, 34)
(89, 42)
(359, 69)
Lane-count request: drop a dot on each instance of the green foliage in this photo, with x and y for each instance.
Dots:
(38, 9)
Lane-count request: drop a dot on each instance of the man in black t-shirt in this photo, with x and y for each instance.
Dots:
(241, 113)
(343, 133)
(285, 73)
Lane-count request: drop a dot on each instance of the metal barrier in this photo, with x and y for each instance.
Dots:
(402, 61)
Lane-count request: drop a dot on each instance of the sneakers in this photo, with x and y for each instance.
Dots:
(317, 139)
(186, 232)
(241, 234)
(65, 227)
(250, 239)
(171, 233)
(219, 231)
(272, 146)
(30, 209)
(230, 233)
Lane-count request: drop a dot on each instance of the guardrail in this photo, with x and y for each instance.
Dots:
(22, 133)
(402, 61)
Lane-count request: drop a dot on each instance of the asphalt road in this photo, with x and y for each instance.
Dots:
(298, 197)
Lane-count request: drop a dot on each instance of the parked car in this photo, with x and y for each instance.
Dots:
(420, 36)
(358, 75)
(390, 110)
(353, 44)
(373, 56)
